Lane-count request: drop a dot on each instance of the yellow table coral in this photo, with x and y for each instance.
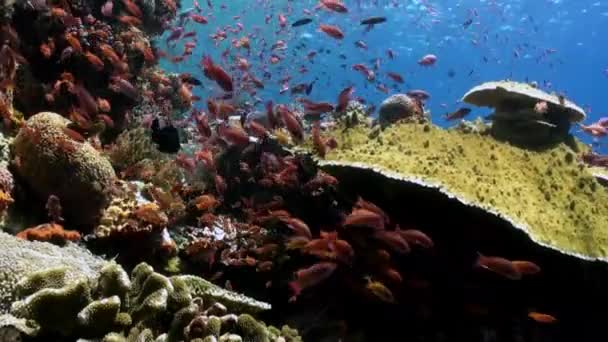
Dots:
(547, 194)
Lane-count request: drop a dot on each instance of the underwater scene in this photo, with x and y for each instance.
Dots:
(303, 170)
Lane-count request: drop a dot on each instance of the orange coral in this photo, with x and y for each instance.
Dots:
(49, 232)
(5, 200)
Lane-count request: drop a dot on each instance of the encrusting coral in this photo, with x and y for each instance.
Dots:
(547, 194)
(19, 258)
(180, 308)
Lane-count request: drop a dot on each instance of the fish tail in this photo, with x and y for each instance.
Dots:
(295, 287)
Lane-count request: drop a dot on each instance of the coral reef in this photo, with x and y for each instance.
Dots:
(547, 193)
(51, 162)
(180, 308)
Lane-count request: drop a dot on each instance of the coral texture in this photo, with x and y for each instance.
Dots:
(19, 258)
(547, 194)
(146, 304)
(52, 163)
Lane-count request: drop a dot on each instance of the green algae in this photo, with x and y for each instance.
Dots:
(547, 193)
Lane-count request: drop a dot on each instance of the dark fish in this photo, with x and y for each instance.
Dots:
(458, 114)
(373, 20)
(467, 23)
(192, 80)
(166, 138)
(309, 88)
(301, 22)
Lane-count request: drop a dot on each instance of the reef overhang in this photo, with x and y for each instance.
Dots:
(547, 194)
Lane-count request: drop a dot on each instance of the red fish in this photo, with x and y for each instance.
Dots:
(416, 237)
(363, 204)
(332, 31)
(234, 135)
(366, 218)
(395, 77)
(499, 266)
(199, 18)
(334, 5)
(393, 240)
(526, 267)
(215, 72)
(362, 68)
(343, 98)
(291, 122)
(298, 226)
(311, 276)
(542, 318)
(317, 140)
(427, 60)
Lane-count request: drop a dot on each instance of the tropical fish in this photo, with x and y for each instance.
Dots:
(373, 20)
(542, 318)
(427, 60)
(301, 22)
(166, 138)
(499, 266)
(458, 114)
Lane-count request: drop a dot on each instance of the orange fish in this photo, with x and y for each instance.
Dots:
(311, 276)
(366, 218)
(103, 105)
(298, 226)
(542, 318)
(393, 240)
(132, 8)
(74, 42)
(129, 20)
(46, 49)
(416, 237)
(363, 204)
(334, 5)
(317, 140)
(499, 266)
(95, 61)
(526, 267)
(332, 31)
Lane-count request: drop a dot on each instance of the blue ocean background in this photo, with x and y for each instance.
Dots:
(560, 44)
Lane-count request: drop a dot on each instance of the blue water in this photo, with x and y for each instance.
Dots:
(561, 44)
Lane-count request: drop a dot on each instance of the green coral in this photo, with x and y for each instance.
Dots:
(150, 306)
(555, 200)
(20, 258)
(131, 147)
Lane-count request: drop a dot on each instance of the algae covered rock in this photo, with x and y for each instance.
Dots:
(545, 194)
(51, 162)
(400, 106)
